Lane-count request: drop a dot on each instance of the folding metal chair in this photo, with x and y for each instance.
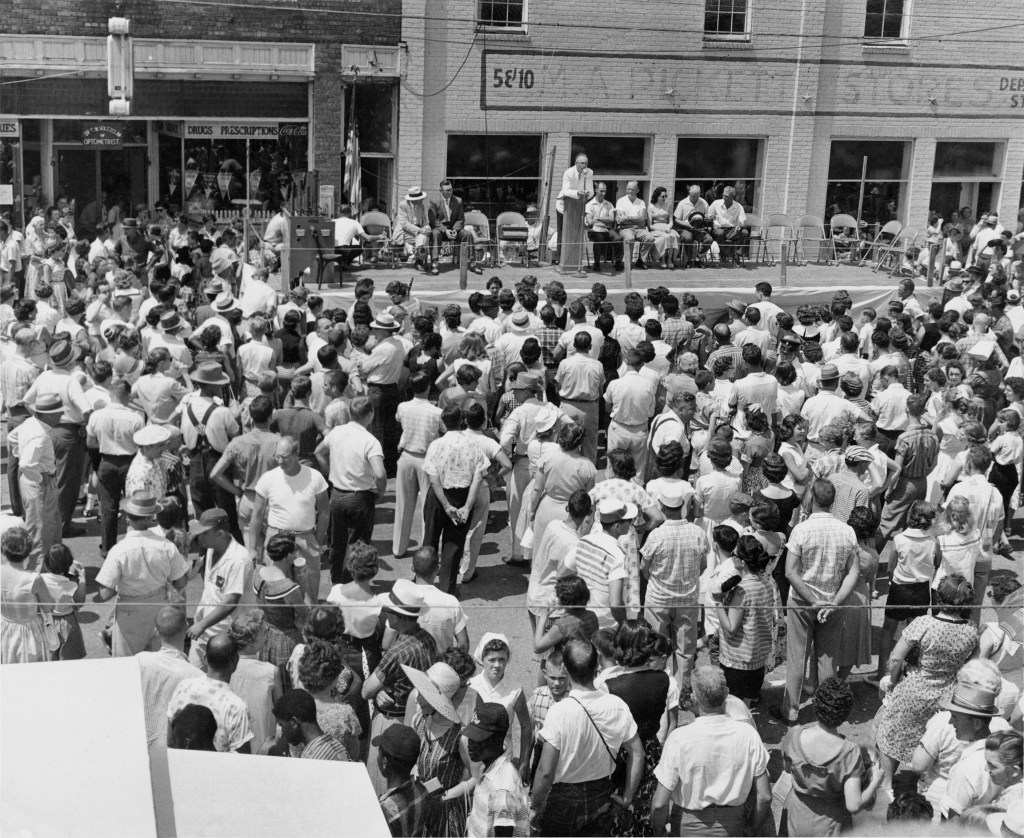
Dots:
(893, 255)
(780, 223)
(512, 232)
(809, 239)
(324, 259)
(841, 222)
(889, 231)
(482, 230)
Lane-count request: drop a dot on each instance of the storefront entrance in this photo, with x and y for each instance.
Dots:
(104, 184)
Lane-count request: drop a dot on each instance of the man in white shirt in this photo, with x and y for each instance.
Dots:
(573, 792)
(709, 768)
(727, 216)
(600, 224)
(692, 203)
(566, 343)
(349, 236)
(161, 672)
(443, 617)
(577, 182)
(258, 297)
(631, 217)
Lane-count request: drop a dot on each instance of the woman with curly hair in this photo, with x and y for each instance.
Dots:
(855, 649)
(359, 610)
(256, 681)
(559, 474)
(755, 448)
(472, 351)
(276, 588)
(621, 486)
(25, 599)
(922, 670)
(827, 769)
(793, 434)
(322, 673)
(645, 692)
(776, 492)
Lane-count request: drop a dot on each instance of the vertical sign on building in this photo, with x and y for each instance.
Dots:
(120, 66)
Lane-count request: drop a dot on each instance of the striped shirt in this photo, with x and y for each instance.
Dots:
(325, 747)
(161, 672)
(16, 376)
(600, 561)
(920, 450)
(415, 649)
(822, 546)
(405, 808)
(671, 559)
(750, 646)
(850, 492)
(421, 425)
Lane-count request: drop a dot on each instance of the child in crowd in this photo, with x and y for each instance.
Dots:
(668, 463)
(65, 580)
(493, 654)
(914, 551)
(866, 326)
(958, 546)
(661, 652)
(720, 567)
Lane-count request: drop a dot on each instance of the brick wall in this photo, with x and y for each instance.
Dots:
(326, 23)
(651, 74)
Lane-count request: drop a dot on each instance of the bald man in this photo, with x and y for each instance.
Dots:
(163, 670)
(212, 690)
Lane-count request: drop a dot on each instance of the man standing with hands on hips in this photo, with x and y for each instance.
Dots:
(577, 182)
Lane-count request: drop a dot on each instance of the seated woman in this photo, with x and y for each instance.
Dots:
(659, 222)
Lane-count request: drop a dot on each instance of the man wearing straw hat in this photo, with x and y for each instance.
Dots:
(137, 570)
(68, 383)
(382, 371)
(206, 428)
(412, 228)
(388, 687)
(31, 447)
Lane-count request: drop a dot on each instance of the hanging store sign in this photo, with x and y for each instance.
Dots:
(9, 126)
(250, 131)
(104, 136)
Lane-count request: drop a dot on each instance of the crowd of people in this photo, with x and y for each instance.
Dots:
(695, 505)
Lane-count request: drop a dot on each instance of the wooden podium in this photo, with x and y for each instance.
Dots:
(571, 245)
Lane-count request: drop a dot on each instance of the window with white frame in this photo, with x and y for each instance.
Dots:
(726, 20)
(501, 14)
(886, 20)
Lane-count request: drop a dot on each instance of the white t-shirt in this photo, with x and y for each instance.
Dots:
(712, 762)
(443, 617)
(582, 755)
(970, 784)
(258, 298)
(347, 231)
(232, 574)
(291, 498)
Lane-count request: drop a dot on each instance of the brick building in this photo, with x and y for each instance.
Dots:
(227, 96)
(805, 107)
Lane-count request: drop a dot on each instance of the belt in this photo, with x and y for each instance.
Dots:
(581, 401)
(414, 453)
(629, 425)
(116, 456)
(293, 533)
(351, 491)
(715, 809)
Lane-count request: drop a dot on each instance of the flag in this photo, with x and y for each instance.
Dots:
(352, 186)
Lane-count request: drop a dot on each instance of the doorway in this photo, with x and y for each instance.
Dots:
(948, 197)
(104, 184)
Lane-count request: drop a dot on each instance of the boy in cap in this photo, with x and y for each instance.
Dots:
(500, 800)
(600, 562)
(404, 803)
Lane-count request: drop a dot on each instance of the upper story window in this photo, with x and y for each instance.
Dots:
(726, 20)
(886, 20)
(501, 14)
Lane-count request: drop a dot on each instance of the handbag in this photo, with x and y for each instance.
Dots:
(50, 637)
(618, 759)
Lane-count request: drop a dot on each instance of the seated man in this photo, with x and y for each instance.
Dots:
(600, 224)
(349, 236)
(690, 221)
(412, 229)
(447, 219)
(727, 217)
(631, 218)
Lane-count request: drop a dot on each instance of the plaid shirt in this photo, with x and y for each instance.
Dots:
(730, 351)
(822, 546)
(671, 559)
(829, 463)
(421, 425)
(986, 506)
(405, 808)
(920, 450)
(676, 330)
(415, 649)
(538, 705)
(972, 339)
(547, 337)
(850, 492)
(16, 376)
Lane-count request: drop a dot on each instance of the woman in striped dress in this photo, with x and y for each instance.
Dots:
(275, 587)
(745, 616)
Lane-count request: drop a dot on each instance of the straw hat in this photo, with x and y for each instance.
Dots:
(436, 686)
(971, 700)
(48, 403)
(546, 418)
(142, 504)
(405, 598)
(613, 510)
(386, 322)
(415, 194)
(63, 353)
(210, 372)
(151, 435)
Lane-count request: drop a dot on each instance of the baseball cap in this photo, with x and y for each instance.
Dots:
(399, 741)
(490, 718)
(211, 519)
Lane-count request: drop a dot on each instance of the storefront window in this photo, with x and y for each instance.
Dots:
(375, 118)
(966, 174)
(615, 161)
(873, 191)
(229, 166)
(493, 173)
(713, 163)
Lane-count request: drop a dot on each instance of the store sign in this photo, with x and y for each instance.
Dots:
(9, 126)
(235, 131)
(106, 136)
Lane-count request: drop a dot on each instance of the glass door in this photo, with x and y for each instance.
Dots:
(105, 185)
(78, 181)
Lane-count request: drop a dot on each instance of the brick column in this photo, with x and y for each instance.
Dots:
(913, 211)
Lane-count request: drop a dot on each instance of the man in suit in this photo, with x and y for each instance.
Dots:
(577, 182)
(412, 228)
(447, 218)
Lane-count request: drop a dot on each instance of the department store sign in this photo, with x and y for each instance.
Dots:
(243, 131)
(103, 136)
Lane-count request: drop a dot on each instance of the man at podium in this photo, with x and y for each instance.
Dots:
(577, 182)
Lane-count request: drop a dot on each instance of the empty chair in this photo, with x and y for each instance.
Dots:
(892, 258)
(811, 244)
(882, 240)
(512, 232)
(753, 224)
(776, 231)
(323, 259)
(481, 231)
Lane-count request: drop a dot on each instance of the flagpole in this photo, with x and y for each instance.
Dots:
(352, 152)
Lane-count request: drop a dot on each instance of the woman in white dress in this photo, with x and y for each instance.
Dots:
(25, 600)
(659, 219)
